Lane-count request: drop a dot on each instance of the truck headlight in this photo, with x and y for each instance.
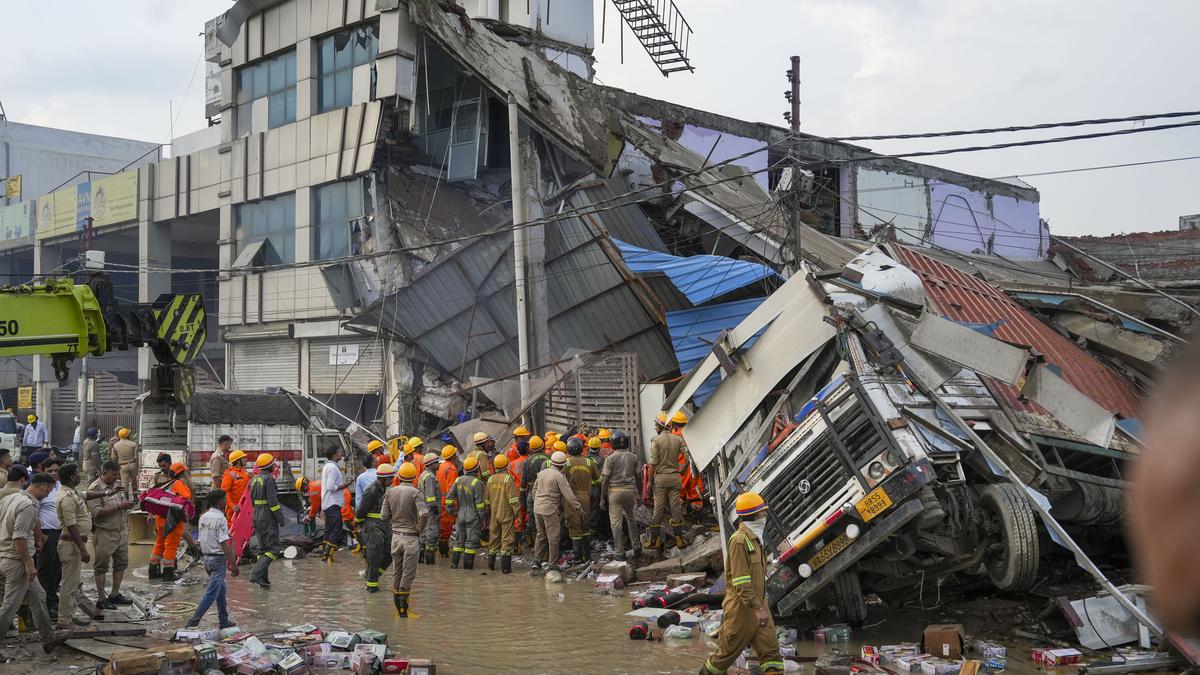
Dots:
(805, 570)
(852, 531)
(875, 470)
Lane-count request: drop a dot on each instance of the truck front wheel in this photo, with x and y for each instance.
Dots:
(1012, 558)
(848, 598)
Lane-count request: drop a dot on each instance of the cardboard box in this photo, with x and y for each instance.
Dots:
(331, 660)
(986, 649)
(136, 662)
(940, 666)
(293, 664)
(421, 667)
(695, 579)
(210, 635)
(836, 633)
(869, 654)
(944, 640)
(363, 663)
(395, 665)
(259, 665)
(372, 636)
(609, 581)
(909, 663)
(179, 660)
(304, 628)
(342, 640)
(1052, 658)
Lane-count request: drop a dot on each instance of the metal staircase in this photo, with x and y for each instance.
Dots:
(661, 29)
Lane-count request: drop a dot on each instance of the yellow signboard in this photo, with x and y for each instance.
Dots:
(45, 216)
(25, 397)
(12, 188)
(114, 199)
(65, 201)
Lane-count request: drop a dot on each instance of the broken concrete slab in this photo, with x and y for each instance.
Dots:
(697, 579)
(659, 571)
(703, 556)
(620, 568)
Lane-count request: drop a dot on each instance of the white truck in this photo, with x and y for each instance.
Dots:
(9, 437)
(279, 423)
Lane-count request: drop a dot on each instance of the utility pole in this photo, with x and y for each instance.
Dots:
(518, 217)
(792, 197)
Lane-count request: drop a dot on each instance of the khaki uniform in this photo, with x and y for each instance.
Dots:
(621, 472)
(664, 457)
(550, 491)
(485, 463)
(127, 454)
(72, 510)
(89, 450)
(18, 517)
(218, 464)
(110, 533)
(402, 510)
(746, 570)
(581, 474)
(502, 501)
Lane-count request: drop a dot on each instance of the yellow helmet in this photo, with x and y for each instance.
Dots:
(123, 433)
(236, 455)
(594, 442)
(500, 462)
(535, 443)
(521, 432)
(414, 442)
(449, 451)
(264, 460)
(300, 484)
(679, 418)
(470, 463)
(408, 471)
(551, 436)
(559, 446)
(374, 445)
(748, 504)
(31, 419)
(661, 419)
(604, 434)
(385, 470)
(480, 437)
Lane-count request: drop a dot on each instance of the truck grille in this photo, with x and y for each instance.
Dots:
(826, 476)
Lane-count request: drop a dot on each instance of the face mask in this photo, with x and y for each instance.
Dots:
(757, 527)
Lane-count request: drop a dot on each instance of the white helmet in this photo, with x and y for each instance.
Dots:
(559, 458)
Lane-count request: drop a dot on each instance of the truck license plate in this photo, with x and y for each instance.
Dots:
(876, 502)
(831, 549)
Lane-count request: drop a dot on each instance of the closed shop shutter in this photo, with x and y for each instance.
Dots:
(345, 366)
(258, 364)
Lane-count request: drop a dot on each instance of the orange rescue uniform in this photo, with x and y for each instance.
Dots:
(234, 483)
(416, 461)
(447, 473)
(515, 467)
(167, 544)
(314, 502)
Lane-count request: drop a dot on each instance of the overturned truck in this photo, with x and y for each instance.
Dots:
(853, 413)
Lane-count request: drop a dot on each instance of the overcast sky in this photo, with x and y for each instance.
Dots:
(885, 66)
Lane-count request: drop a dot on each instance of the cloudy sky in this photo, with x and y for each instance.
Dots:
(869, 67)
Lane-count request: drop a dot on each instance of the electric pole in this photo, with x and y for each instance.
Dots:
(792, 197)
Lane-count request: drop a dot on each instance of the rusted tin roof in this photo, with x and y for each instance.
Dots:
(961, 297)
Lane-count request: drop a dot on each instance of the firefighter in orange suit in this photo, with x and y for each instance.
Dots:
(170, 530)
(447, 473)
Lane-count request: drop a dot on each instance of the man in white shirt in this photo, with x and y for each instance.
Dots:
(364, 479)
(48, 565)
(34, 438)
(217, 549)
(332, 498)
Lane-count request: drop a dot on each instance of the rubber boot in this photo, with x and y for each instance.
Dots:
(444, 548)
(577, 547)
(506, 564)
(492, 561)
(401, 600)
(420, 555)
(454, 559)
(168, 574)
(679, 542)
(259, 574)
(431, 555)
(468, 561)
(155, 571)
(656, 541)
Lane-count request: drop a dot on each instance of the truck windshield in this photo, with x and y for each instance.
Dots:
(8, 424)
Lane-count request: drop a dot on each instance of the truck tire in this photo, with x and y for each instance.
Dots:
(1015, 566)
(848, 598)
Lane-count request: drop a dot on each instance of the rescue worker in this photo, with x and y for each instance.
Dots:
(592, 453)
(746, 620)
(163, 475)
(127, 453)
(447, 473)
(268, 518)
(170, 529)
(536, 461)
(312, 489)
(620, 484)
(376, 534)
(516, 470)
(581, 474)
(218, 462)
(405, 513)
(367, 476)
(664, 476)
(485, 447)
(76, 522)
(691, 485)
(412, 455)
(467, 501)
(234, 483)
(550, 491)
(377, 451)
(431, 496)
(89, 454)
(606, 446)
(503, 500)
(520, 434)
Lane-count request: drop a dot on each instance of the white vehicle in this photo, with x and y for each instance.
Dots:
(9, 433)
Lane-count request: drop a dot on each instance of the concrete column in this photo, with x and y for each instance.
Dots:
(154, 253)
(305, 218)
(305, 366)
(46, 258)
(306, 82)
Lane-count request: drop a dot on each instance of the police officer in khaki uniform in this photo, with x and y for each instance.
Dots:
(620, 484)
(110, 534)
(127, 454)
(76, 522)
(405, 511)
(664, 472)
(746, 621)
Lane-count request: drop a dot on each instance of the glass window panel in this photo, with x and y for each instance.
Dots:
(276, 111)
(465, 122)
(290, 105)
(326, 57)
(290, 68)
(243, 85)
(342, 51)
(277, 74)
(341, 83)
(260, 81)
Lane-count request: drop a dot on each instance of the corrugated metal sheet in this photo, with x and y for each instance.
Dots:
(463, 309)
(258, 364)
(700, 277)
(327, 376)
(621, 218)
(694, 330)
(961, 297)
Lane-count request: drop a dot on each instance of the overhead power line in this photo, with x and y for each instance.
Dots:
(1027, 127)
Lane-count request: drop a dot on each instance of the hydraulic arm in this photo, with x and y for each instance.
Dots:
(65, 321)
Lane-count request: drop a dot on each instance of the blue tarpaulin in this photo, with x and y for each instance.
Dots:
(694, 330)
(700, 278)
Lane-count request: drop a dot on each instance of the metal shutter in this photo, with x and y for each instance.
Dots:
(363, 377)
(258, 364)
(603, 393)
